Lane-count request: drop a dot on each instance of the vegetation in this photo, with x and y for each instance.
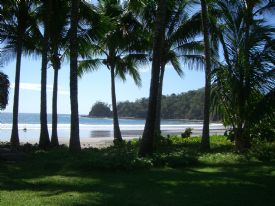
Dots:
(245, 81)
(100, 109)
(238, 60)
(187, 105)
(102, 177)
(205, 144)
(4, 90)
(120, 48)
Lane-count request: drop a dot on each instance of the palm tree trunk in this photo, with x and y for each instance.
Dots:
(54, 138)
(44, 141)
(117, 133)
(148, 139)
(158, 114)
(74, 137)
(14, 133)
(205, 143)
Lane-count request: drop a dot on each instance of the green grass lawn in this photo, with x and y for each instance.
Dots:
(221, 177)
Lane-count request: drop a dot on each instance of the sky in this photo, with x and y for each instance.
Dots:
(92, 87)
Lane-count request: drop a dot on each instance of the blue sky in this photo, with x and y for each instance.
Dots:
(94, 86)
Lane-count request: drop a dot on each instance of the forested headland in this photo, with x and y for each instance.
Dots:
(186, 105)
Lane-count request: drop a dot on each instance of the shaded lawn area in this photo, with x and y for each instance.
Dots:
(38, 183)
(57, 177)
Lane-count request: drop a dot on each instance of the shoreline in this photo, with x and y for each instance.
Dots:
(134, 118)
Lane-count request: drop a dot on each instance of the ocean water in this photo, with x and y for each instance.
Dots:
(93, 128)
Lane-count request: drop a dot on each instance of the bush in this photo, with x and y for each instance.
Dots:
(187, 133)
(175, 159)
(262, 150)
(123, 155)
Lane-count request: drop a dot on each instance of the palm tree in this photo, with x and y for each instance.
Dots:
(74, 137)
(122, 48)
(14, 29)
(58, 39)
(44, 140)
(179, 43)
(147, 142)
(4, 90)
(246, 79)
(205, 143)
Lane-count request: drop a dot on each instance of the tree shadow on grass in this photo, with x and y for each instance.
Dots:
(219, 184)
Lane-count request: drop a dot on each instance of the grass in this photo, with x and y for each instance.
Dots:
(57, 177)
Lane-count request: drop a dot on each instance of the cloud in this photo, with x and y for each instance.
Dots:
(145, 68)
(37, 88)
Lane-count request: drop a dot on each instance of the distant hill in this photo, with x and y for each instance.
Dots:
(186, 105)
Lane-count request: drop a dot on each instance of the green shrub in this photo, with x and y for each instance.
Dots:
(262, 150)
(175, 159)
(187, 133)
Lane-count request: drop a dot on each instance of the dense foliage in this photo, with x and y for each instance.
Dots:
(100, 109)
(187, 105)
(4, 90)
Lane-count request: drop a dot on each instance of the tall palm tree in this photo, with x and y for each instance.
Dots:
(4, 90)
(58, 45)
(74, 136)
(121, 47)
(179, 43)
(246, 79)
(44, 140)
(147, 142)
(14, 28)
(205, 143)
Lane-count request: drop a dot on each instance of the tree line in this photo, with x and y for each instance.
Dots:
(186, 105)
(123, 35)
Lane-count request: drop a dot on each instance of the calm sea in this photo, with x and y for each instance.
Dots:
(29, 127)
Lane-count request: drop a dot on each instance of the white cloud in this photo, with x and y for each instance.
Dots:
(37, 88)
(146, 68)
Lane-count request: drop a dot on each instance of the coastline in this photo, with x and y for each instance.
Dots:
(135, 118)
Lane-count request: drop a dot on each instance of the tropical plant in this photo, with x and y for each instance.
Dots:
(205, 143)
(58, 46)
(120, 49)
(74, 136)
(179, 41)
(16, 18)
(44, 140)
(147, 141)
(245, 82)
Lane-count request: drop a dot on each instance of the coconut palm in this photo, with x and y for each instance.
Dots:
(15, 24)
(74, 136)
(147, 142)
(205, 143)
(247, 76)
(44, 140)
(179, 41)
(121, 48)
(58, 46)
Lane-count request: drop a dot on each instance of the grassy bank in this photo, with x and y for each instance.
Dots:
(219, 177)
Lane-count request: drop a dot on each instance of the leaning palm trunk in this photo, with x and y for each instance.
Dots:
(205, 143)
(54, 138)
(117, 133)
(147, 142)
(44, 141)
(158, 113)
(14, 133)
(74, 137)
